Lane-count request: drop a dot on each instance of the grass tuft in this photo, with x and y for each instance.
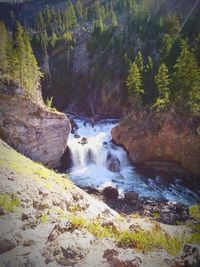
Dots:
(8, 204)
(194, 212)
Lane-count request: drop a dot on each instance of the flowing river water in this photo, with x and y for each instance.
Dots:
(98, 163)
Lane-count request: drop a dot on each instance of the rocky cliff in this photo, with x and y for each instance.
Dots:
(33, 129)
(166, 136)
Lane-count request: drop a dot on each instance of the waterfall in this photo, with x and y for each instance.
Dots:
(98, 163)
(93, 147)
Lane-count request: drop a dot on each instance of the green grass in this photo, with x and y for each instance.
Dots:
(44, 218)
(150, 240)
(195, 236)
(77, 222)
(9, 204)
(194, 212)
(61, 214)
(156, 216)
(75, 208)
(141, 240)
(15, 162)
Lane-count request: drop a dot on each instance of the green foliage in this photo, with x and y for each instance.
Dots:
(8, 203)
(151, 240)
(134, 84)
(162, 82)
(44, 218)
(19, 63)
(79, 10)
(71, 16)
(49, 102)
(156, 215)
(77, 222)
(173, 24)
(149, 65)
(113, 19)
(139, 62)
(194, 212)
(186, 82)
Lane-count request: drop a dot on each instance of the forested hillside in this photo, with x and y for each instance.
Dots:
(119, 54)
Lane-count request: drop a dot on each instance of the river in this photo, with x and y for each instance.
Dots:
(99, 163)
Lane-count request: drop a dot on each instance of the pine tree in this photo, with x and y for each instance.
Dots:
(32, 76)
(3, 58)
(186, 81)
(197, 49)
(167, 43)
(113, 19)
(79, 10)
(149, 65)
(21, 54)
(134, 84)
(71, 16)
(40, 23)
(98, 27)
(139, 62)
(162, 82)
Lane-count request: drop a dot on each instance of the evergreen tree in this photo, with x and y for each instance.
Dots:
(149, 65)
(32, 70)
(173, 24)
(40, 23)
(186, 81)
(98, 27)
(71, 16)
(3, 43)
(21, 53)
(113, 19)
(134, 84)
(167, 43)
(162, 82)
(139, 62)
(79, 10)
(197, 48)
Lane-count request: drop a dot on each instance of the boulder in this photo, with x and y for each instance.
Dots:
(66, 161)
(115, 260)
(6, 245)
(74, 126)
(33, 129)
(113, 163)
(76, 136)
(110, 192)
(83, 141)
(189, 256)
(131, 196)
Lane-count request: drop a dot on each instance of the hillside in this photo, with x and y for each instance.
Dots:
(86, 60)
(46, 219)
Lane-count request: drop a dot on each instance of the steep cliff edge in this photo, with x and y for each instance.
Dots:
(33, 129)
(150, 136)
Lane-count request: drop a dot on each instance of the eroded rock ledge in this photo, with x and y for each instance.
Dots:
(166, 136)
(33, 129)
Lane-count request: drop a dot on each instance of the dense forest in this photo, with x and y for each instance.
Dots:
(153, 51)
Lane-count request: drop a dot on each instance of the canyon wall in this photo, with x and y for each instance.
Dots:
(166, 136)
(33, 129)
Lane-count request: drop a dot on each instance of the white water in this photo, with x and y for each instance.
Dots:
(94, 173)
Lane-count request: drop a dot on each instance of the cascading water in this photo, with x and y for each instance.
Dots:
(98, 163)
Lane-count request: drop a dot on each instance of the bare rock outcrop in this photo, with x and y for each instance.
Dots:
(162, 136)
(34, 130)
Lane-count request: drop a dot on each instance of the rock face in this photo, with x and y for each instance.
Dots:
(166, 136)
(33, 129)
